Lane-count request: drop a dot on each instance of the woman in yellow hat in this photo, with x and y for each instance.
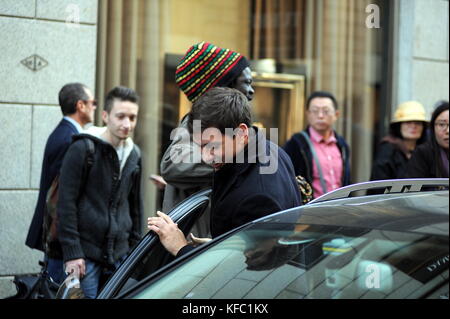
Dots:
(407, 130)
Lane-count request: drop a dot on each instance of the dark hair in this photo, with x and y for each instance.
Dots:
(120, 93)
(221, 108)
(395, 130)
(69, 95)
(322, 94)
(440, 107)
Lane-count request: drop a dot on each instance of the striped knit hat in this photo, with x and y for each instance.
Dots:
(205, 66)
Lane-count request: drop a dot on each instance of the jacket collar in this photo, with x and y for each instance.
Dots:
(66, 122)
(315, 136)
(75, 124)
(95, 132)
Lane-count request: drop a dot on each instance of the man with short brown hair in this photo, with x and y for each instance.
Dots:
(252, 176)
(100, 214)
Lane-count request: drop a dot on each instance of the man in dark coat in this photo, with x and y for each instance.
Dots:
(78, 106)
(252, 176)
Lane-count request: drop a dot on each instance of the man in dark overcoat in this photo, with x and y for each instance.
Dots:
(77, 105)
(253, 177)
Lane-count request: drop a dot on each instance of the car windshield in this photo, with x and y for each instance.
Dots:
(310, 261)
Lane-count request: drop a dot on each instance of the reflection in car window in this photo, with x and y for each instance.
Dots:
(156, 256)
(267, 261)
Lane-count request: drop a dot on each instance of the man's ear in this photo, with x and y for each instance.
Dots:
(105, 117)
(80, 106)
(336, 114)
(242, 132)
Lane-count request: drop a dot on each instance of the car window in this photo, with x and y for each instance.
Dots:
(157, 256)
(150, 255)
(311, 261)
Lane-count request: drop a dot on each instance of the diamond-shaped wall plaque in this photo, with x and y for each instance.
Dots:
(34, 62)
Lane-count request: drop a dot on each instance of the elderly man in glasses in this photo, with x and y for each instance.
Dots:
(318, 153)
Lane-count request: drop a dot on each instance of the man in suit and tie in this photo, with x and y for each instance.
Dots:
(77, 105)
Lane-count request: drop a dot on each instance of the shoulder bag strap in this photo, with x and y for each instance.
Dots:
(316, 159)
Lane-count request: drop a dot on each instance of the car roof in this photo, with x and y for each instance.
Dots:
(424, 212)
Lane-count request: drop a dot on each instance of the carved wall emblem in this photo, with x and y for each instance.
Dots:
(34, 62)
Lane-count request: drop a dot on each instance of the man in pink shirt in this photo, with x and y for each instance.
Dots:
(318, 153)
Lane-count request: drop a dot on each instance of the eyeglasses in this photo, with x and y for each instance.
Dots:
(441, 126)
(94, 102)
(325, 111)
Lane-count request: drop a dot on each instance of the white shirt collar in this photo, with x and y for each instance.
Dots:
(75, 123)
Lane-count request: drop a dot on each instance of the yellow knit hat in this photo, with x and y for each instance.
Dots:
(409, 111)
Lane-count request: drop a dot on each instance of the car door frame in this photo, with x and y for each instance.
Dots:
(179, 214)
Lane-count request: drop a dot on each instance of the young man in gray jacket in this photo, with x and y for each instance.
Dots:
(100, 210)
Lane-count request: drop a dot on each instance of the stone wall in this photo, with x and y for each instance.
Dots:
(421, 68)
(430, 52)
(44, 45)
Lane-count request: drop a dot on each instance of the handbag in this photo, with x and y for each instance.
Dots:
(36, 286)
(305, 189)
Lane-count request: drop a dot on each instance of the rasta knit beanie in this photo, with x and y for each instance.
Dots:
(205, 66)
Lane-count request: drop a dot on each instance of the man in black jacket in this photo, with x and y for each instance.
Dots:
(77, 105)
(252, 176)
(99, 221)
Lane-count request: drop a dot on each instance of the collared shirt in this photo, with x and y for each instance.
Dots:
(330, 160)
(75, 123)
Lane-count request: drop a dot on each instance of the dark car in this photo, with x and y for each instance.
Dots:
(394, 245)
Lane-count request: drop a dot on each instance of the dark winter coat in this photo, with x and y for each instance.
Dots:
(242, 192)
(102, 222)
(425, 162)
(298, 150)
(390, 161)
(57, 144)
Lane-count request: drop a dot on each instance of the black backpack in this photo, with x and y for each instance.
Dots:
(49, 234)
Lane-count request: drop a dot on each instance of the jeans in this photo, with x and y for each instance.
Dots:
(91, 280)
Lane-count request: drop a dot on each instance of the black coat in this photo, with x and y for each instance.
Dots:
(298, 150)
(390, 162)
(425, 162)
(55, 149)
(102, 220)
(242, 192)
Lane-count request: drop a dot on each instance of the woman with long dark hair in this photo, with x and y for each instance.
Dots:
(431, 158)
(407, 130)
